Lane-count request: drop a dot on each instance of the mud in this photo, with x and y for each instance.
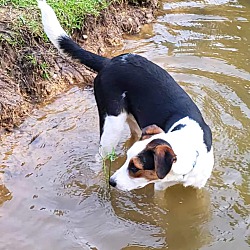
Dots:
(32, 71)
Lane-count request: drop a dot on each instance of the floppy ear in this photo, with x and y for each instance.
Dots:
(149, 131)
(164, 157)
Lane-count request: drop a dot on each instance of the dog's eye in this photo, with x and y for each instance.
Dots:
(133, 168)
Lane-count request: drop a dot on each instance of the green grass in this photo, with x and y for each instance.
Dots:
(70, 13)
(42, 66)
(111, 157)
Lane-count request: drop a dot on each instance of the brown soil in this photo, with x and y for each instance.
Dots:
(33, 71)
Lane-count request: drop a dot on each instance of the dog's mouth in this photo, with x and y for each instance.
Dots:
(115, 184)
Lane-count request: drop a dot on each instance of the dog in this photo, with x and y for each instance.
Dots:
(175, 144)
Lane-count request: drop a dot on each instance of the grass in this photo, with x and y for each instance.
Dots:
(23, 27)
(70, 13)
(111, 157)
(42, 66)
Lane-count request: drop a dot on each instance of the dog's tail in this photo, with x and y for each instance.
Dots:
(64, 43)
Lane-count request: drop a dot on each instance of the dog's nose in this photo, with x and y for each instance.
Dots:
(112, 182)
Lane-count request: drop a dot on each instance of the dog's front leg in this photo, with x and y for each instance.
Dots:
(111, 133)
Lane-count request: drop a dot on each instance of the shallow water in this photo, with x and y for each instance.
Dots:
(53, 193)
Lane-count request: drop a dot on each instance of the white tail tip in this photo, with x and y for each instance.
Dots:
(51, 25)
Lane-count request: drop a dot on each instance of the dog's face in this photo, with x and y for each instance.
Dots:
(148, 160)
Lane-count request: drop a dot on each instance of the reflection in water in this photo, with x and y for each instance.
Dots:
(179, 213)
(53, 194)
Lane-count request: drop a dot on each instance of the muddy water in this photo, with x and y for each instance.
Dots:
(53, 193)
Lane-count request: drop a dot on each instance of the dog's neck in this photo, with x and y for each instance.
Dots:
(172, 122)
(186, 140)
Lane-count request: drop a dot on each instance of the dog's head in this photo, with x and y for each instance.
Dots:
(148, 160)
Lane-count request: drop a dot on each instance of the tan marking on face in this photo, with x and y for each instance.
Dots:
(148, 174)
(134, 162)
(137, 162)
(161, 150)
(142, 173)
(164, 157)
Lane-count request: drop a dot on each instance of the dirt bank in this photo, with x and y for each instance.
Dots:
(32, 71)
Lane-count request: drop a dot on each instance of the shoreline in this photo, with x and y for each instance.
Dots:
(32, 71)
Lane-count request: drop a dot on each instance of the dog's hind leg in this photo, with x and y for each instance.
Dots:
(111, 132)
(134, 127)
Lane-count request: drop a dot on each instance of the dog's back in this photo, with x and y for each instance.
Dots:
(149, 93)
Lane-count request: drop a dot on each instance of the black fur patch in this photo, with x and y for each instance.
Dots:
(87, 58)
(178, 127)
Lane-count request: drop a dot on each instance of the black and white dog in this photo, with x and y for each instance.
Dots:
(176, 143)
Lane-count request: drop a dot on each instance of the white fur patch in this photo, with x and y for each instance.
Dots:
(192, 168)
(112, 132)
(51, 24)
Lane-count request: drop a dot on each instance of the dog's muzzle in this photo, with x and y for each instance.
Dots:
(112, 182)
